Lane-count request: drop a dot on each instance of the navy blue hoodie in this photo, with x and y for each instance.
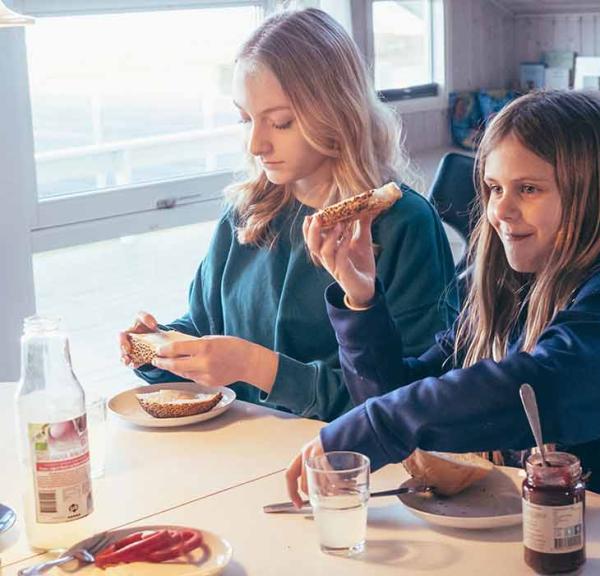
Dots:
(430, 403)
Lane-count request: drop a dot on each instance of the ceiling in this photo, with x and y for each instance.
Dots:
(519, 7)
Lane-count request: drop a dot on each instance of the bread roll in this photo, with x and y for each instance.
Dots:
(177, 403)
(448, 473)
(352, 208)
(144, 346)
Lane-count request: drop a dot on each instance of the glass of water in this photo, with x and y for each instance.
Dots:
(338, 489)
(97, 434)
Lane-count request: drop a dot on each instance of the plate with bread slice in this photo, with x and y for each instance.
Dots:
(469, 491)
(171, 404)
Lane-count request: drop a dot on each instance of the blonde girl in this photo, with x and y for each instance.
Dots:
(315, 133)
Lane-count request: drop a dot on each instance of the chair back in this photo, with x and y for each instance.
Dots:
(453, 192)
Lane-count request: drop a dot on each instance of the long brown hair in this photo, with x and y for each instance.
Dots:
(562, 128)
(320, 69)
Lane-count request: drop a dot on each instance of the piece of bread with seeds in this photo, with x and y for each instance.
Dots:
(167, 403)
(144, 346)
(372, 201)
(448, 473)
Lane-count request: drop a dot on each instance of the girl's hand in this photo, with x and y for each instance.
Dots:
(143, 324)
(220, 361)
(346, 252)
(296, 471)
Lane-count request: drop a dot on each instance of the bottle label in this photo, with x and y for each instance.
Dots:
(553, 529)
(61, 469)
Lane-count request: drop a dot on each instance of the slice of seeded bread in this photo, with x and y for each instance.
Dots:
(177, 403)
(144, 346)
(375, 200)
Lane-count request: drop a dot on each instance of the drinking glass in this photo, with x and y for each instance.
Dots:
(97, 434)
(338, 489)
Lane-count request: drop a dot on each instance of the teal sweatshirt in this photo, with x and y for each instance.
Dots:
(275, 297)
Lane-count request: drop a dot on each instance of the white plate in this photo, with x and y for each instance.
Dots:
(492, 502)
(212, 558)
(126, 406)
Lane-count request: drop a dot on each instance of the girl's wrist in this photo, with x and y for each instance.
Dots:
(261, 366)
(357, 306)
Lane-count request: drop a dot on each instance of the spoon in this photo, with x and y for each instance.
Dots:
(7, 517)
(533, 416)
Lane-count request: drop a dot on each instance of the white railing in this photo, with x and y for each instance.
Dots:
(113, 164)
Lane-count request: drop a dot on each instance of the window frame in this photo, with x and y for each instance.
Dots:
(82, 217)
(410, 98)
(102, 214)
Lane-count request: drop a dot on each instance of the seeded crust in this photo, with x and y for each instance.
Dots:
(448, 473)
(144, 346)
(178, 408)
(375, 200)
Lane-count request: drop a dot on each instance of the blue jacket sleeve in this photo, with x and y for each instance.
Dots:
(470, 409)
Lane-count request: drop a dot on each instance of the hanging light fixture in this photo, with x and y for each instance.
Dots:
(10, 18)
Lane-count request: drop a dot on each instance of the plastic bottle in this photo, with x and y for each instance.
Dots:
(53, 438)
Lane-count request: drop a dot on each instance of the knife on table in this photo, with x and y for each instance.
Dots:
(289, 506)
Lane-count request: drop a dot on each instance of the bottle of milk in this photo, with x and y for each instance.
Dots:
(53, 438)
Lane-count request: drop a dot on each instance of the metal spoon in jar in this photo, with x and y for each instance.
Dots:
(527, 395)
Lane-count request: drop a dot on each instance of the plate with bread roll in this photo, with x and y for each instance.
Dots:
(470, 492)
(171, 404)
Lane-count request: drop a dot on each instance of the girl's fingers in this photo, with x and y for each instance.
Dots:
(312, 236)
(329, 245)
(363, 232)
(124, 342)
(343, 250)
(293, 472)
(179, 365)
(147, 320)
(305, 226)
(303, 481)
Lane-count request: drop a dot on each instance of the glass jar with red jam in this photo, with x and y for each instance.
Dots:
(553, 513)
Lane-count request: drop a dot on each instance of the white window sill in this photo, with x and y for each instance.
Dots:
(438, 102)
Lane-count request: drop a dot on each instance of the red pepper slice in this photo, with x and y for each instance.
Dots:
(134, 550)
(188, 540)
(157, 546)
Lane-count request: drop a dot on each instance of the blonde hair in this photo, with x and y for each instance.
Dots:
(562, 128)
(338, 113)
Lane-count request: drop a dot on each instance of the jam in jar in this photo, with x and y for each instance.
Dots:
(553, 513)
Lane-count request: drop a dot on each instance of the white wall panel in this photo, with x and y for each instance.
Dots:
(537, 34)
(480, 48)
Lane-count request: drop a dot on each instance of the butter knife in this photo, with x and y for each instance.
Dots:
(280, 507)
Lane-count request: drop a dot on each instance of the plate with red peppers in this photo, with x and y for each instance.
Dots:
(158, 551)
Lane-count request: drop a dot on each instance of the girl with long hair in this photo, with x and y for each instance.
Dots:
(316, 133)
(532, 313)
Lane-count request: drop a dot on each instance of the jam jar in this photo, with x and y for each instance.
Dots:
(553, 513)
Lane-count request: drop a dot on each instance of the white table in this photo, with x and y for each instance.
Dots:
(149, 470)
(397, 542)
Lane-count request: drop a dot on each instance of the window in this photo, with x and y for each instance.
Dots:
(406, 47)
(133, 125)
(402, 44)
(152, 104)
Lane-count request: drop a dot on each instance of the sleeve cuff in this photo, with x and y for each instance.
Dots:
(293, 387)
(353, 432)
(351, 326)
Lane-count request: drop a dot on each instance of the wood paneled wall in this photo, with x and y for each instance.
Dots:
(537, 34)
(486, 43)
(480, 41)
